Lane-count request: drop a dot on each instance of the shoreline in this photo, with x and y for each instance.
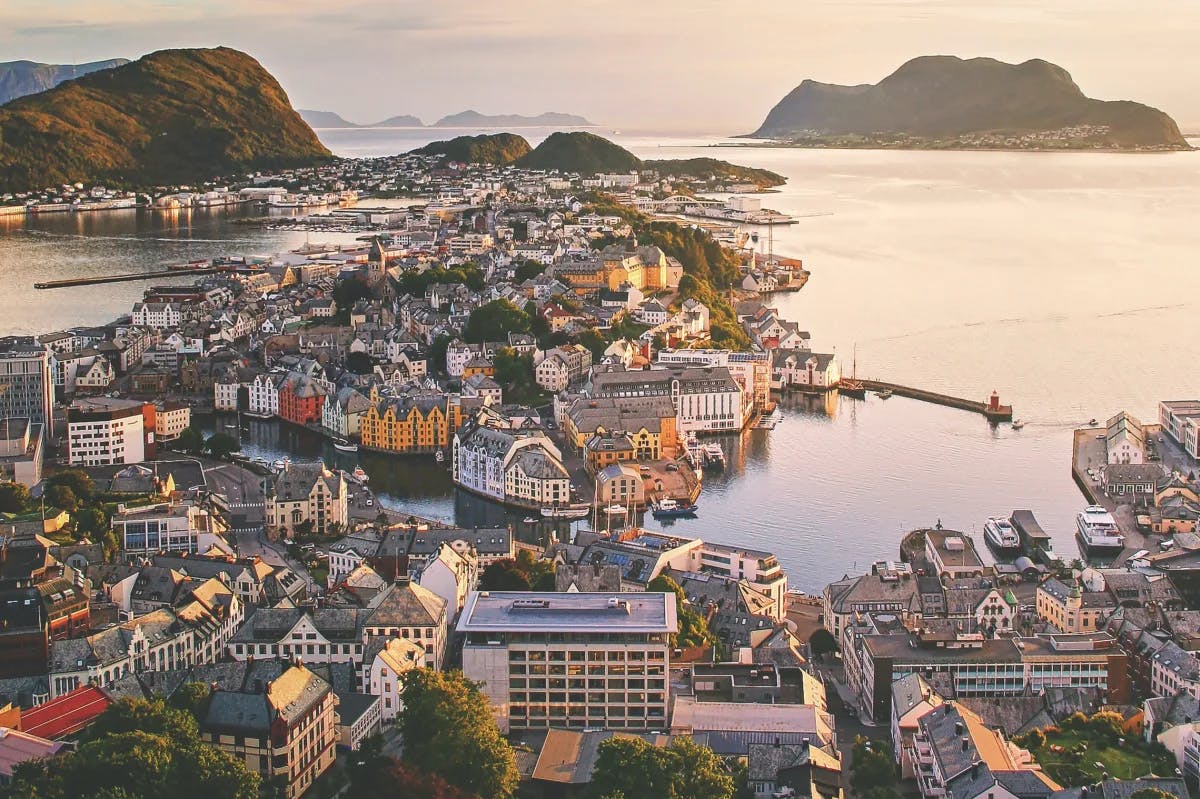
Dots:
(768, 144)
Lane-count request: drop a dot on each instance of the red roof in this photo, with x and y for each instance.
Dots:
(67, 714)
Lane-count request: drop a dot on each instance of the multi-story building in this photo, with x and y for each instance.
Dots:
(1125, 439)
(423, 423)
(1180, 419)
(307, 494)
(705, 399)
(563, 366)
(102, 431)
(412, 613)
(1070, 609)
(263, 396)
(156, 315)
(171, 419)
(343, 411)
(283, 725)
(522, 468)
(649, 422)
(571, 660)
(383, 673)
(751, 370)
(26, 381)
(301, 399)
(22, 448)
(952, 554)
(168, 527)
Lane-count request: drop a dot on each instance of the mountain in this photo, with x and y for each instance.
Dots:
(328, 119)
(19, 78)
(977, 101)
(489, 148)
(474, 119)
(324, 119)
(401, 121)
(580, 152)
(711, 168)
(175, 116)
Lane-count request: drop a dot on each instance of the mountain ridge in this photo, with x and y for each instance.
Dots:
(331, 119)
(474, 119)
(171, 117)
(939, 98)
(22, 78)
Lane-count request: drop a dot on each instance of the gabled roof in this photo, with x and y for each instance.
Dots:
(66, 715)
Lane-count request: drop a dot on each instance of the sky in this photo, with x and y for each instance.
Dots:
(714, 66)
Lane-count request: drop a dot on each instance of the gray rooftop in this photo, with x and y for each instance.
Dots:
(547, 611)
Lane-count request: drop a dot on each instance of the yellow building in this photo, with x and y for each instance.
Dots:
(649, 421)
(409, 424)
(644, 267)
(478, 366)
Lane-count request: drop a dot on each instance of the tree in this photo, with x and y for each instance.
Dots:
(822, 642)
(437, 352)
(449, 732)
(529, 269)
(193, 698)
(503, 575)
(349, 291)
(874, 771)
(683, 770)
(222, 445)
(594, 342)
(693, 627)
(1151, 793)
(138, 750)
(539, 573)
(76, 479)
(361, 363)
(191, 440)
(14, 497)
(61, 496)
(90, 521)
(389, 778)
(493, 321)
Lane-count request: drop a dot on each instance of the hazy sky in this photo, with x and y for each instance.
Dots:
(667, 64)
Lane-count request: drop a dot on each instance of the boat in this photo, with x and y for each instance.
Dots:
(615, 510)
(279, 465)
(439, 456)
(1017, 424)
(885, 393)
(359, 475)
(672, 509)
(1098, 532)
(1092, 422)
(530, 520)
(342, 445)
(566, 512)
(713, 456)
(1001, 536)
(851, 386)
(231, 425)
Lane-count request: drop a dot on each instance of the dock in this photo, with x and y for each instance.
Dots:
(1089, 451)
(993, 410)
(123, 277)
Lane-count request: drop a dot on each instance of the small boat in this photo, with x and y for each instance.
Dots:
(360, 475)
(672, 509)
(885, 393)
(342, 445)
(231, 425)
(615, 510)
(1092, 422)
(280, 464)
(713, 456)
(440, 456)
(530, 520)
(1017, 424)
(566, 512)
(1001, 536)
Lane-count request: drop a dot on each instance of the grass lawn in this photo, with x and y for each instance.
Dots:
(1069, 765)
(319, 573)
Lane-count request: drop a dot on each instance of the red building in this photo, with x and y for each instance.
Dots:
(301, 400)
(40, 600)
(67, 714)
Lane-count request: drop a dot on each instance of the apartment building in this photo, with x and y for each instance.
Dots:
(26, 381)
(1180, 419)
(573, 660)
(306, 494)
(102, 431)
(705, 399)
(171, 419)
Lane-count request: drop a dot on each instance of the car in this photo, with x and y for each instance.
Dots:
(644, 469)
(672, 467)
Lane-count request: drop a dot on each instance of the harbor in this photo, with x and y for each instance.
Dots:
(992, 410)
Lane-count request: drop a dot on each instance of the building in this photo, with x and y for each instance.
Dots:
(342, 412)
(156, 315)
(412, 613)
(571, 660)
(518, 468)
(301, 399)
(307, 494)
(410, 424)
(17, 747)
(102, 431)
(26, 381)
(1125, 439)
(1180, 419)
(22, 449)
(912, 698)
(169, 527)
(620, 484)
(952, 554)
(705, 399)
(649, 422)
(804, 769)
(283, 725)
(263, 394)
(384, 667)
(171, 419)
(563, 367)
(452, 574)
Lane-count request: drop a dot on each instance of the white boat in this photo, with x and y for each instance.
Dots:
(566, 512)
(1017, 424)
(885, 393)
(713, 456)
(440, 456)
(280, 464)
(529, 520)
(342, 445)
(359, 475)
(1001, 536)
(1098, 531)
(615, 510)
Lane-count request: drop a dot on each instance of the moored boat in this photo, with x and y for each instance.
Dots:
(615, 510)
(342, 445)
(1098, 532)
(1001, 536)
(672, 509)
(359, 475)
(566, 512)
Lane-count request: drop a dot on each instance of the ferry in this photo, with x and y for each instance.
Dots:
(566, 512)
(342, 445)
(714, 456)
(671, 509)
(359, 475)
(1001, 536)
(1098, 532)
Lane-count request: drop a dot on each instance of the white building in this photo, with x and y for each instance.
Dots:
(105, 431)
(166, 527)
(156, 315)
(1180, 419)
(1125, 439)
(264, 394)
(383, 673)
(516, 642)
(524, 468)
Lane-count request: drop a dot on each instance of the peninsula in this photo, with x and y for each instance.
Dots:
(945, 102)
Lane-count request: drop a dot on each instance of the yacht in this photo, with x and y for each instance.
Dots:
(1001, 536)
(615, 510)
(342, 445)
(566, 512)
(670, 509)
(1098, 532)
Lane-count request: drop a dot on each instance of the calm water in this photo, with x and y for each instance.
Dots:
(1066, 281)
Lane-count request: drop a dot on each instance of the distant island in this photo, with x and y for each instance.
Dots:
(587, 154)
(474, 119)
(172, 117)
(953, 103)
(21, 78)
(329, 119)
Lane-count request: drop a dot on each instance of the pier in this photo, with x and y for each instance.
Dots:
(123, 278)
(993, 411)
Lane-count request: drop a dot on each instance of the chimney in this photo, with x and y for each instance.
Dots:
(966, 744)
(958, 728)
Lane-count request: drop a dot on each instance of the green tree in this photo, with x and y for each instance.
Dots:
(191, 440)
(493, 321)
(503, 575)
(138, 750)
(595, 343)
(539, 572)
(693, 627)
(1151, 793)
(222, 445)
(528, 270)
(437, 352)
(349, 291)
(874, 771)
(76, 479)
(382, 777)
(361, 363)
(14, 497)
(91, 521)
(449, 732)
(192, 698)
(61, 496)
(682, 770)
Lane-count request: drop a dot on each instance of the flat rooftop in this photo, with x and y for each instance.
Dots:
(549, 611)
